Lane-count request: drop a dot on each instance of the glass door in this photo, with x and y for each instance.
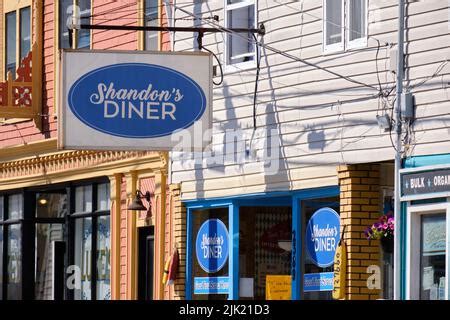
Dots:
(432, 257)
(51, 210)
(427, 252)
(320, 233)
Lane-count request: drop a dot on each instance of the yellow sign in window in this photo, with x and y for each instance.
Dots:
(278, 287)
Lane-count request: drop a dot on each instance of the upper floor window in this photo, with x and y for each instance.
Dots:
(344, 24)
(80, 38)
(17, 36)
(240, 49)
(151, 19)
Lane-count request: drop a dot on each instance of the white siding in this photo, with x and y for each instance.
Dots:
(323, 121)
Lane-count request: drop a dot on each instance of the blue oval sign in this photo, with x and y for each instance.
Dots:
(322, 236)
(136, 100)
(211, 245)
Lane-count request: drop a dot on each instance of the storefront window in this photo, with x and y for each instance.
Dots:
(1, 247)
(103, 199)
(46, 235)
(264, 248)
(83, 199)
(15, 207)
(51, 205)
(210, 258)
(83, 249)
(318, 273)
(14, 264)
(1, 261)
(432, 257)
(93, 241)
(103, 258)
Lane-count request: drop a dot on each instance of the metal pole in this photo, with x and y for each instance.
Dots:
(398, 155)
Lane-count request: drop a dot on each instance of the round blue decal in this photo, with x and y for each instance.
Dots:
(211, 245)
(322, 236)
(136, 100)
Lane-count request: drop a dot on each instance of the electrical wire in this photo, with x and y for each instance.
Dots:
(434, 75)
(220, 66)
(258, 64)
(287, 55)
(326, 20)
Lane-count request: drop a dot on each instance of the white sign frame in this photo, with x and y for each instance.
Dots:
(73, 134)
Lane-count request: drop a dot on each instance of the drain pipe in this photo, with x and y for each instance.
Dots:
(398, 153)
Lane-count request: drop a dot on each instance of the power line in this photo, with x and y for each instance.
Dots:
(287, 55)
(327, 21)
(434, 75)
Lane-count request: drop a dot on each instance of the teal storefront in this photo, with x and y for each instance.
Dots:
(250, 237)
(425, 228)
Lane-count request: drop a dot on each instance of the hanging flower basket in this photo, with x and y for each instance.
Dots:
(383, 230)
(387, 244)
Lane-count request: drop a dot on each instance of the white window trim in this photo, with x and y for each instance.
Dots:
(247, 65)
(344, 45)
(360, 42)
(335, 47)
(413, 239)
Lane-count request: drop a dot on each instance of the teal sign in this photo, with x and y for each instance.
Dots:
(136, 100)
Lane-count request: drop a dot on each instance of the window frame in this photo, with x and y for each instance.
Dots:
(9, 7)
(58, 8)
(144, 34)
(413, 245)
(345, 44)
(335, 47)
(361, 41)
(236, 67)
(28, 222)
(94, 214)
(5, 223)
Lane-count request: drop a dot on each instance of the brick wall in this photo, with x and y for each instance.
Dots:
(360, 207)
(179, 235)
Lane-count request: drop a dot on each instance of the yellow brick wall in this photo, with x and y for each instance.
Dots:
(360, 207)
(179, 233)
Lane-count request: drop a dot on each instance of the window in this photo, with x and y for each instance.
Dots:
(240, 50)
(1, 247)
(81, 38)
(17, 36)
(11, 210)
(93, 241)
(344, 15)
(427, 254)
(151, 19)
(42, 234)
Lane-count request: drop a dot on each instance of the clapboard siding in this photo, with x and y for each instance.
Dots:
(116, 13)
(322, 120)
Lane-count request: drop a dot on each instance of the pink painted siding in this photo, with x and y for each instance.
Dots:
(122, 13)
(148, 184)
(165, 36)
(123, 240)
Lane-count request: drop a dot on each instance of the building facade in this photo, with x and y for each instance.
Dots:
(298, 127)
(301, 155)
(65, 230)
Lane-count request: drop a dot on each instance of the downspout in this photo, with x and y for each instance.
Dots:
(398, 155)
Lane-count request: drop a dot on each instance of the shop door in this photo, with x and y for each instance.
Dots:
(320, 238)
(50, 245)
(265, 238)
(145, 263)
(427, 254)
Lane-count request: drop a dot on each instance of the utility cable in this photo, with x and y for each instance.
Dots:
(287, 55)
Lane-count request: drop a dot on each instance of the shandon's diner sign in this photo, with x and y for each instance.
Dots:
(133, 100)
